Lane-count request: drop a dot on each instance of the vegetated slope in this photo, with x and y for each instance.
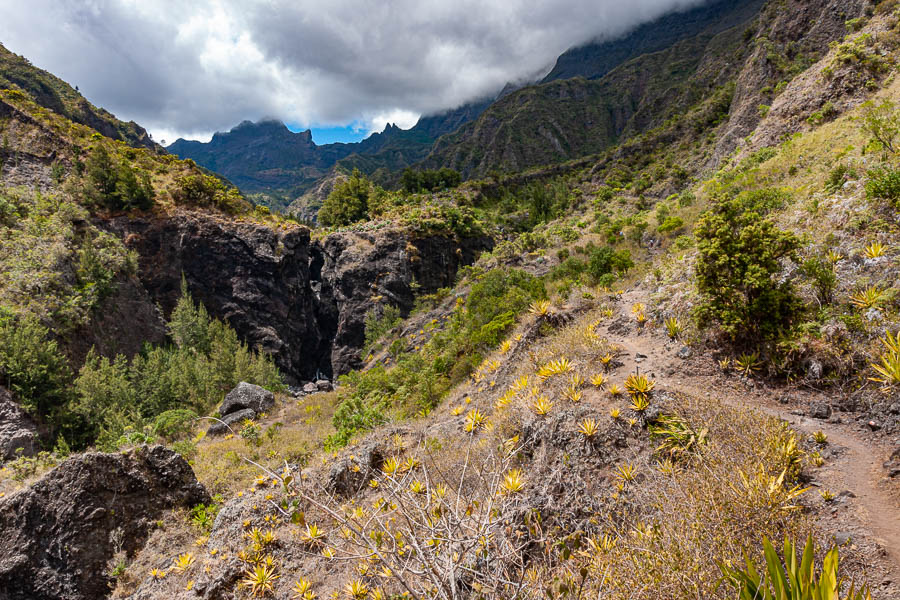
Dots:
(567, 119)
(16, 72)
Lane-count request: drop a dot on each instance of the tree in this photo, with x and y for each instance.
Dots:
(882, 122)
(347, 203)
(738, 271)
(101, 177)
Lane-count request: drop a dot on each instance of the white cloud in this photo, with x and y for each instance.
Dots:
(191, 68)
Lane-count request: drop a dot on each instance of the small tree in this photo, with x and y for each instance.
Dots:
(882, 122)
(347, 203)
(738, 272)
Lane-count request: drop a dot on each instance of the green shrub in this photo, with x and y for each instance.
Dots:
(838, 176)
(378, 325)
(347, 203)
(605, 261)
(174, 423)
(32, 366)
(164, 384)
(739, 267)
(884, 183)
(821, 274)
(671, 223)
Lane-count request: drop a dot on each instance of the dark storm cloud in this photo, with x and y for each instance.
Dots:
(190, 68)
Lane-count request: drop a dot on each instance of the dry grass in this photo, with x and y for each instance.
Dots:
(294, 435)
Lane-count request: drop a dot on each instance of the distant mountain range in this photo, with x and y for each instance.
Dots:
(268, 160)
(595, 94)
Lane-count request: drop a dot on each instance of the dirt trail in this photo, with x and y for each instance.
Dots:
(858, 469)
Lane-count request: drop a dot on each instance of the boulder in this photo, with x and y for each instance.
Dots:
(17, 430)
(246, 395)
(221, 426)
(349, 474)
(324, 385)
(819, 410)
(310, 388)
(58, 536)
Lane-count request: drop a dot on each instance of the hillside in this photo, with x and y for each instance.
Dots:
(657, 359)
(16, 72)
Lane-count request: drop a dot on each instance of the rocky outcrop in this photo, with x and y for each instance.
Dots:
(58, 536)
(254, 277)
(784, 39)
(356, 271)
(17, 430)
(303, 301)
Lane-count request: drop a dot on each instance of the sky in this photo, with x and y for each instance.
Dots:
(344, 68)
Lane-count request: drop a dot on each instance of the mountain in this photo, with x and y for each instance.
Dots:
(277, 165)
(596, 59)
(51, 92)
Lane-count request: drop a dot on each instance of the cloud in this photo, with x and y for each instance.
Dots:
(191, 68)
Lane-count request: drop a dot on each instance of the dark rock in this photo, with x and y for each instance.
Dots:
(57, 536)
(685, 352)
(221, 426)
(873, 425)
(246, 395)
(324, 385)
(17, 430)
(349, 474)
(819, 410)
(310, 388)
(302, 301)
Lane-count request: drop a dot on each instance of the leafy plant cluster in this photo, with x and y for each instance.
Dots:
(600, 266)
(206, 360)
(739, 267)
(419, 378)
(114, 185)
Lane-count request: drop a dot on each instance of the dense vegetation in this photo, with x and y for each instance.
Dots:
(110, 395)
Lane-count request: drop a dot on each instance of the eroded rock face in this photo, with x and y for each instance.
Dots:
(301, 300)
(360, 269)
(58, 536)
(17, 430)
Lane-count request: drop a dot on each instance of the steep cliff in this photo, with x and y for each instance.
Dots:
(302, 300)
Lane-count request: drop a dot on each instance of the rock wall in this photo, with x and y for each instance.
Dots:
(58, 536)
(302, 300)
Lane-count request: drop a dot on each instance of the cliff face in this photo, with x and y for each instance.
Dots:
(301, 300)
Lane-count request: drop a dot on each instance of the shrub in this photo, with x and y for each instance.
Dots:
(378, 325)
(347, 203)
(822, 276)
(671, 223)
(882, 123)
(604, 261)
(838, 176)
(884, 183)
(738, 270)
(32, 366)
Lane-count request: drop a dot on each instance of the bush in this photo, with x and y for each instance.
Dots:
(605, 261)
(32, 366)
(378, 325)
(738, 269)
(670, 224)
(884, 183)
(414, 181)
(347, 203)
(164, 384)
